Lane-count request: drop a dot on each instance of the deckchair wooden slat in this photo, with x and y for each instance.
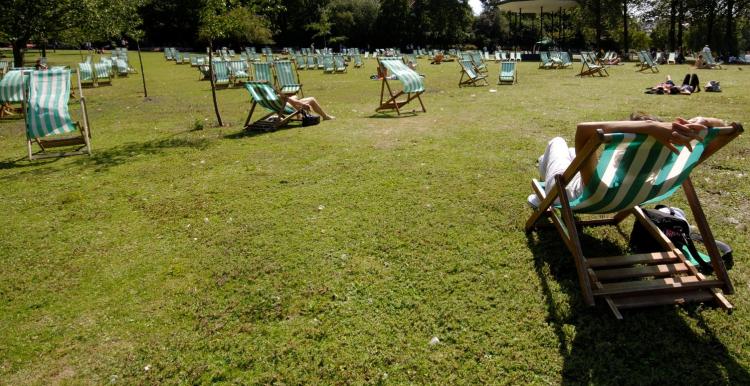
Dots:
(640, 258)
(643, 271)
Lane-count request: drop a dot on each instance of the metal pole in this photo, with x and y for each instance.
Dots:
(143, 75)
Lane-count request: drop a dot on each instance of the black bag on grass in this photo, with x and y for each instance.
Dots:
(672, 222)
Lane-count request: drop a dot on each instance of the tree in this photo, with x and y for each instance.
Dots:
(228, 19)
(22, 20)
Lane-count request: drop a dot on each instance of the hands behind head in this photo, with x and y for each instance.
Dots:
(682, 132)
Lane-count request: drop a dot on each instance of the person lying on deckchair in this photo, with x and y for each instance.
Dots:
(557, 157)
(307, 103)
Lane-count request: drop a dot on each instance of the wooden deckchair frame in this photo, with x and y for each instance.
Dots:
(675, 280)
(590, 68)
(469, 80)
(84, 137)
(648, 63)
(392, 102)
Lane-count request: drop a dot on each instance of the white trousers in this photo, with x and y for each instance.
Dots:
(555, 160)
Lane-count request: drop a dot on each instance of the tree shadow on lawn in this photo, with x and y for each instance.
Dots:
(104, 159)
(244, 133)
(651, 345)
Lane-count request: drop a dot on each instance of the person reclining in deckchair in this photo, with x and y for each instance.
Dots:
(617, 168)
(558, 156)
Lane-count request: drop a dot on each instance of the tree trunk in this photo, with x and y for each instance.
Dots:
(211, 79)
(143, 75)
(598, 23)
(730, 40)
(680, 28)
(710, 20)
(625, 37)
(19, 49)
(672, 22)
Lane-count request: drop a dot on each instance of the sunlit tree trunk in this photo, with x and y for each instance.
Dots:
(211, 79)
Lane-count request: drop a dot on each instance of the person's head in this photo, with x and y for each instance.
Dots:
(641, 116)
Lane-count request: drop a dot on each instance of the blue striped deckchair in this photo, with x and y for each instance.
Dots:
(281, 113)
(635, 170)
(508, 73)
(193, 60)
(287, 79)
(262, 72)
(86, 74)
(47, 115)
(12, 92)
(178, 58)
(554, 56)
(168, 53)
(565, 59)
(102, 73)
(327, 63)
(546, 61)
(472, 77)
(338, 64)
(221, 73)
(311, 62)
(413, 87)
(238, 71)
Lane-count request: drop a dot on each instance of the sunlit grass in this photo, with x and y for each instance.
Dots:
(335, 253)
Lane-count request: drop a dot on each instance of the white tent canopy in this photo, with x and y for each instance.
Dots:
(535, 6)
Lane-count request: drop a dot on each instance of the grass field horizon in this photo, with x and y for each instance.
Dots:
(336, 253)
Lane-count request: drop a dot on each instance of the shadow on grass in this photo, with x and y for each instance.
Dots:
(389, 115)
(254, 133)
(650, 346)
(121, 154)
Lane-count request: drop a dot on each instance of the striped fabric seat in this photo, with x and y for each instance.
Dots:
(300, 62)
(221, 73)
(86, 73)
(12, 85)
(338, 63)
(287, 81)
(122, 67)
(472, 77)
(327, 62)
(262, 72)
(47, 106)
(357, 58)
(476, 58)
(311, 62)
(102, 74)
(635, 169)
(507, 73)
(238, 70)
(411, 80)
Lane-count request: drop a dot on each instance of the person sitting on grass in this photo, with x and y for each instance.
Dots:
(690, 84)
(558, 156)
(307, 104)
(700, 62)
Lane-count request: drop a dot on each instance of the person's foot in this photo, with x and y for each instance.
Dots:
(533, 201)
(328, 117)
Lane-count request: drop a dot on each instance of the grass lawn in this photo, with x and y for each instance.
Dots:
(335, 253)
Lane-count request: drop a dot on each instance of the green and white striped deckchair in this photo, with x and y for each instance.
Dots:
(193, 60)
(338, 64)
(508, 73)
(311, 62)
(287, 79)
(327, 62)
(648, 63)
(358, 63)
(589, 66)
(110, 66)
(413, 87)
(300, 62)
(238, 71)
(262, 72)
(178, 58)
(280, 113)
(546, 62)
(221, 73)
(102, 73)
(635, 170)
(476, 59)
(232, 53)
(4, 67)
(472, 77)
(122, 67)
(12, 92)
(710, 60)
(565, 58)
(47, 115)
(86, 74)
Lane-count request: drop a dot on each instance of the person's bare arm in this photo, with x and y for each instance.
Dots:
(667, 133)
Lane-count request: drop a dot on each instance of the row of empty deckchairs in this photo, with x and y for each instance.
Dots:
(280, 73)
(471, 75)
(95, 74)
(554, 59)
